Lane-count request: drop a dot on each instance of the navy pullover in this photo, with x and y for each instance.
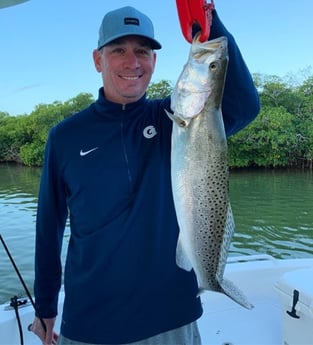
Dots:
(108, 169)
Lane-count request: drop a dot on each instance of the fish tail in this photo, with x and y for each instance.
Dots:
(232, 291)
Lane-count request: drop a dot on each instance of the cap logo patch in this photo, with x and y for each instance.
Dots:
(131, 21)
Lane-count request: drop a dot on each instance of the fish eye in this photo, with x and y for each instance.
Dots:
(213, 66)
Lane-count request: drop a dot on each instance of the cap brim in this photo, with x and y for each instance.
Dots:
(154, 43)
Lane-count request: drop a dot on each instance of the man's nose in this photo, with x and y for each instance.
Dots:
(132, 60)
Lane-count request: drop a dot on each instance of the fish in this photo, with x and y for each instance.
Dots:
(200, 170)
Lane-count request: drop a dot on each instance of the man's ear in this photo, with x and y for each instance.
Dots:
(97, 60)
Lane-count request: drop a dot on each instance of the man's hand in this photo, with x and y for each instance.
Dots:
(48, 336)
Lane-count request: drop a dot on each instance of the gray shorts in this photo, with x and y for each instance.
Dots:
(186, 335)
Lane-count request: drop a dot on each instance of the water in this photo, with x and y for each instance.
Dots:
(18, 198)
(273, 215)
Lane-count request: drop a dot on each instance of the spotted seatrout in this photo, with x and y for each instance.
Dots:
(200, 168)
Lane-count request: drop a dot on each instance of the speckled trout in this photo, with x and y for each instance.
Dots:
(199, 168)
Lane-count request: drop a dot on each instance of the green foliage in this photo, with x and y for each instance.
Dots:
(159, 90)
(10, 138)
(31, 154)
(22, 138)
(281, 136)
(269, 141)
(304, 122)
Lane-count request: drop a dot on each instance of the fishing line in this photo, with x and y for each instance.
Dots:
(21, 280)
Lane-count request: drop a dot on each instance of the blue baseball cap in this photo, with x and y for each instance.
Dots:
(126, 21)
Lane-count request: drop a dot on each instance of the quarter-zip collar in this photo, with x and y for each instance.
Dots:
(114, 111)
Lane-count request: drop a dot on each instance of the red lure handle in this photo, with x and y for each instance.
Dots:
(195, 12)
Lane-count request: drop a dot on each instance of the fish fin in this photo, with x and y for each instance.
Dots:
(232, 291)
(175, 118)
(182, 260)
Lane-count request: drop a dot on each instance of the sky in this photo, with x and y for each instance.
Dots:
(46, 45)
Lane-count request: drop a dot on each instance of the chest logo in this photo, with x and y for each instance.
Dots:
(149, 132)
(84, 153)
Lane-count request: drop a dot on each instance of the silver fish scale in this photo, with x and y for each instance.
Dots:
(199, 168)
(209, 202)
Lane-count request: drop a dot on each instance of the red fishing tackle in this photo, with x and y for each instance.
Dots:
(195, 14)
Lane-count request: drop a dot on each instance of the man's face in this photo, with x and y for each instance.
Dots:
(127, 65)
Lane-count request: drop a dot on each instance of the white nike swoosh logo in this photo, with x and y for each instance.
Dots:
(84, 153)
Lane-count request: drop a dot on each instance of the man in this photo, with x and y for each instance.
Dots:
(108, 167)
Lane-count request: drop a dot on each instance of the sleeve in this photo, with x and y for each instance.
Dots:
(50, 225)
(240, 101)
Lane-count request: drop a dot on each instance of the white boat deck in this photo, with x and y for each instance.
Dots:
(224, 322)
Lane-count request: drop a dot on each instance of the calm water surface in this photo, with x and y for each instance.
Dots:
(273, 213)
